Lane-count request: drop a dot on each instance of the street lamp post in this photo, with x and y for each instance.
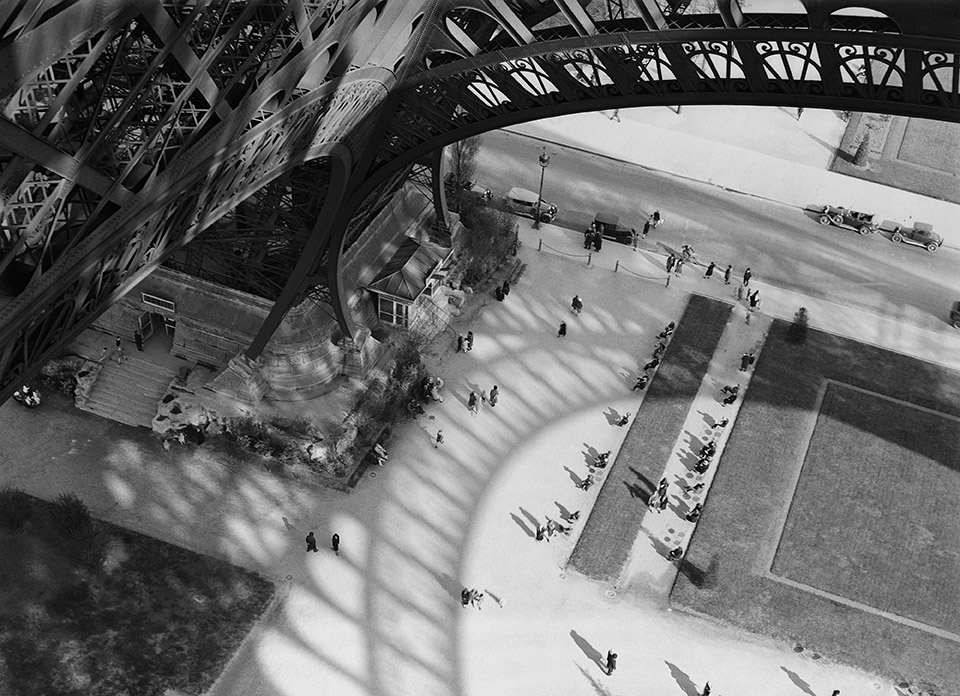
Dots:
(544, 161)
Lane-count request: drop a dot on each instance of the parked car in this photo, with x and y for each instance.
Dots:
(609, 226)
(850, 219)
(522, 202)
(921, 234)
(955, 315)
(468, 189)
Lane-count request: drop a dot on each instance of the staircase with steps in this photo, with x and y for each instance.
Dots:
(128, 392)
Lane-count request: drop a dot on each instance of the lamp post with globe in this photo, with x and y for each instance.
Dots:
(544, 162)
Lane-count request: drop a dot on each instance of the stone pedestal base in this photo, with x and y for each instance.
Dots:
(355, 357)
(241, 380)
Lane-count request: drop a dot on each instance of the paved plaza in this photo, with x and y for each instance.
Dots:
(383, 617)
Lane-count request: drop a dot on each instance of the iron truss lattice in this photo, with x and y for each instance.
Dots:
(248, 141)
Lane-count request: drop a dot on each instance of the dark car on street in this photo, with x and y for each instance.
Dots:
(609, 226)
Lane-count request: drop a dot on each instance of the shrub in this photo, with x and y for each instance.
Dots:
(298, 427)
(262, 439)
(488, 239)
(15, 508)
(798, 329)
(863, 151)
(70, 515)
(91, 548)
(60, 375)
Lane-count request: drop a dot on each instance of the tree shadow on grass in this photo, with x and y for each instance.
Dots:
(798, 682)
(591, 652)
(683, 681)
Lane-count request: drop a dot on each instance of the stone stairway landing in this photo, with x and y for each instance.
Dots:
(128, 392)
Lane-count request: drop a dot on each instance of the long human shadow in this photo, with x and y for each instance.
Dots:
(683, 680)
(591, 652)
(451, 586)
(599, 688)
(523, 526)
(798, 682)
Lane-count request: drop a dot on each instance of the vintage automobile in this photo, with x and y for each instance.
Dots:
(609, 226)
(921, 234)
(850, 219)
(955, 315)
(468, 189)
(522, 202)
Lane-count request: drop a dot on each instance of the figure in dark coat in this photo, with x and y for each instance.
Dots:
(563, 329)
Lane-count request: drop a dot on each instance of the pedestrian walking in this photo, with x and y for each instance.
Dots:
(597, 242)
(311, 543)
(494, 396)
(576, 304)
(611, 662)
(506, 288)
(727, 273)
(744, 362)
(121, 356)
(678, 267)
(103, 355)
(836, 692)
(335, 544)
(706, 690)
(588, 237)
(473, 403)
(138, 339)
(646, 228)
(439, 440)
(799, 112)
(539, 534)
(662, 503)
(747, 275)
(641, 384)
(119, 343)
(634, 237)
(662, 486)
(477, 599)
(676, 554)
(464, 597)
(670, 261)
(710, 268)
(721, 424)
(469, 341)
(460, 343)
(563, 329)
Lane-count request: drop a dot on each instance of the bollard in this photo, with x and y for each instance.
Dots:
(589, 258)
(540, 245)
(617, 267)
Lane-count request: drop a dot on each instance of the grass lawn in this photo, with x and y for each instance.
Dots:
(869, 520)
(149, 617)
(912, 154)
(612, 527)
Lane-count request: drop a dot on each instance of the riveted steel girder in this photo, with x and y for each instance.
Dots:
(206, 133)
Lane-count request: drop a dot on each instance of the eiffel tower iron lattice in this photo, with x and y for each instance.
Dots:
(250, 142)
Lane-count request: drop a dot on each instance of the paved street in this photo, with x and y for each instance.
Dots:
(785, 246)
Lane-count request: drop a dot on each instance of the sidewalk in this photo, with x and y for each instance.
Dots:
(383, 618)
(765, 152)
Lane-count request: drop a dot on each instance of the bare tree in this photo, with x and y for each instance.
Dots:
(463, 167)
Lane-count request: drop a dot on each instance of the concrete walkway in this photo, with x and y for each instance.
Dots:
(383, 618)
